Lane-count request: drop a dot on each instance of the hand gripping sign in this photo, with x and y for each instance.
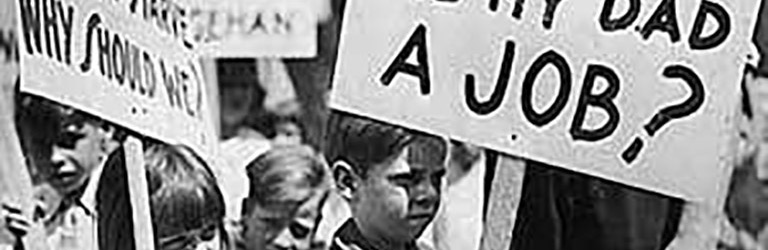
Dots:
(635, 91)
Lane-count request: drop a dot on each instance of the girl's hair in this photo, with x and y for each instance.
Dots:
(287, 174)
(183, 191)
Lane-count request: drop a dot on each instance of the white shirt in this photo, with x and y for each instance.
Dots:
(76, 228)
(234, 155)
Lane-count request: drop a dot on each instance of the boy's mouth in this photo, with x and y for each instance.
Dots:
(67, 174)
(66, 179)
(420, 217)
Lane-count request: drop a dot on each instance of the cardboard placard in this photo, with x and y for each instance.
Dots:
(129, 62)
(638, 92)
(261, 28)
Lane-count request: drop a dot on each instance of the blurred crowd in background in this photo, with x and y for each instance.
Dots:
(273, 186)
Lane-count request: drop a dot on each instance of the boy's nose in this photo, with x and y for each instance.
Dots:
(58, 158)
(425, 194)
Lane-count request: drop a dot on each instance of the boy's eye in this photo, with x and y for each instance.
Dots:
(299, 231)
(436, 178)
(401, 182)
(402, 179)
(68, 139)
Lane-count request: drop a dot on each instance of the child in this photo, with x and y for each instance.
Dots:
(390, 176)
(65, 150)
(288, 186)
(186, 203)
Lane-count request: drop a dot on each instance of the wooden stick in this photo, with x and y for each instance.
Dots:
(506, 190)
(212, 84)
(138, 189)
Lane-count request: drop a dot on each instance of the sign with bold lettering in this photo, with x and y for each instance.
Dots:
(130, 62)
(636, 91)
(254, 28)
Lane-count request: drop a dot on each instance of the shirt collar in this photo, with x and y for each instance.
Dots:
(349, 234)
(87, 200)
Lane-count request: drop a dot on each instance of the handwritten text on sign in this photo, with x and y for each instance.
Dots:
(256, 28)
(636, 91)
(127, 61)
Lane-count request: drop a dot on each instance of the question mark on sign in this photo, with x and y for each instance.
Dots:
(673, 112)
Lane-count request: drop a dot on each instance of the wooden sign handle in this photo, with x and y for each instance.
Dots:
(139, 192)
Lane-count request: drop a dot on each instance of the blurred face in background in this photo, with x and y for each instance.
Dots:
(287, 132)
(282, 226)
(237, 98)
(289, 184)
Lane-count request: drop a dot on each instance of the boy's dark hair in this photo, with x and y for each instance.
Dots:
(39, 122)
(183, 191)
(362, 142)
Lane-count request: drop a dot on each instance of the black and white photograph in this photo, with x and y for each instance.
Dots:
(383, 125)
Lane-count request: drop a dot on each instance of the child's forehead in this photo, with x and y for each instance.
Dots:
(425, 149)
(422, 154)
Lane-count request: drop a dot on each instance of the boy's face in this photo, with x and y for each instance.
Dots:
(79, 149)
(282, 226)
(397, 199)
(64, 147)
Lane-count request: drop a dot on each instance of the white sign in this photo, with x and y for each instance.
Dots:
(126, 61)
(255, 28)
(635, 91)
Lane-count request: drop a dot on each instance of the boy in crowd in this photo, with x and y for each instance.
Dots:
(186, 203)
(289, 185)
(390, 176)
(64, 148)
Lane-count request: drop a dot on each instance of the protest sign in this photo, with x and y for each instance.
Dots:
(129, 62)
(261, 28)
(635, 91)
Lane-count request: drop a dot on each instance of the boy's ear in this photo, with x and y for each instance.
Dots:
(345, 178)
(109, 142)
